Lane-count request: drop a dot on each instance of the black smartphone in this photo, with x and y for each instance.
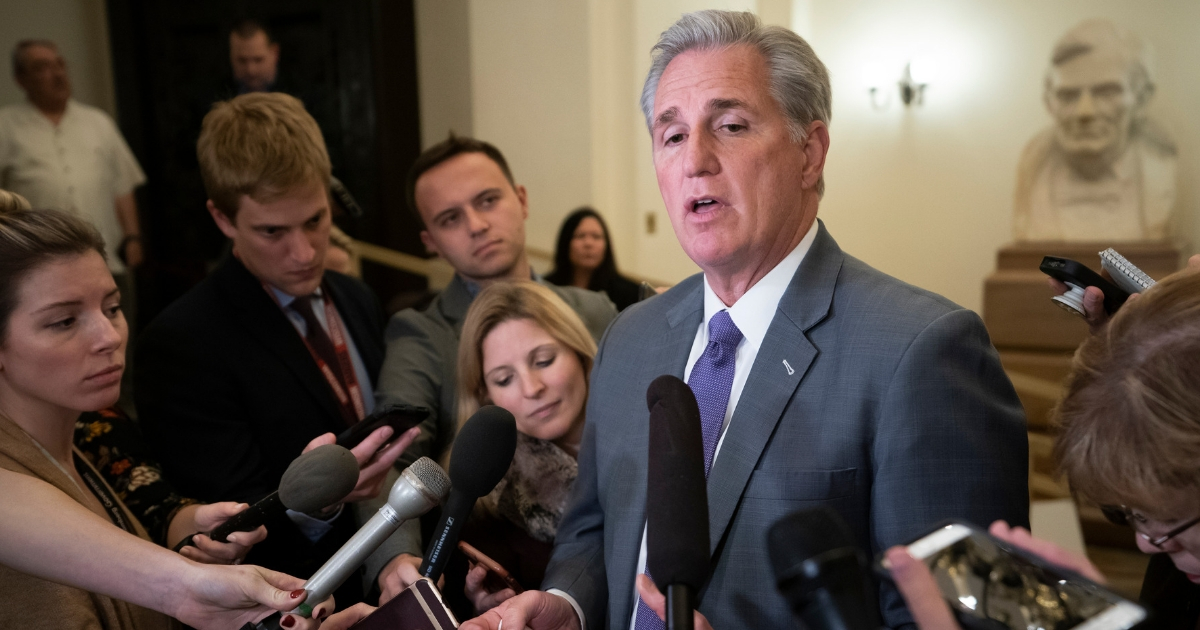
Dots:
(400, 417)
(992, 585)
(1078, 277)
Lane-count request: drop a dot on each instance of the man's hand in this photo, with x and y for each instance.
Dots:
(374, 459)
(398, 575)
(537, 610)
(205, 518)
(657, 602)
(480, 597)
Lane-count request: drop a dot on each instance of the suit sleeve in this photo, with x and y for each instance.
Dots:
(413, 373)
(577, 564)
(189, 411)
(951, 442)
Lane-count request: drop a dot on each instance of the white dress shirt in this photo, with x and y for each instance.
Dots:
(81, 165)
(752, 314)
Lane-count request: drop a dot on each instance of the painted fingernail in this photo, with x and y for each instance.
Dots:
(321, 612)
(288, 622)
(297, 594)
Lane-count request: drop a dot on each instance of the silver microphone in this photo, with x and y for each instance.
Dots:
(420, 487)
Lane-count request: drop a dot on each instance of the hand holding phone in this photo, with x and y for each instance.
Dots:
(1078, 278)
(400, 417)
(498, 578)
(992, 584)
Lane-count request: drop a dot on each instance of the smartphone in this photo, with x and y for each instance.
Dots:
(498, 577)
(1078, 277)
(992, 585)
(400, 417)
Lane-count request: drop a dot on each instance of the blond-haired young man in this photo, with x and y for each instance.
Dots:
(270, 354)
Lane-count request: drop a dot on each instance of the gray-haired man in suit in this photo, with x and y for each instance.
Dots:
(849, 388)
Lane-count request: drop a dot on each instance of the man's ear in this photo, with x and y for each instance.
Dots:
(430, 246)
(816, 147)
(223, 223)
(523, 197)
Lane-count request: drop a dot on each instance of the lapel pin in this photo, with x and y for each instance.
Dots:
(789, 367)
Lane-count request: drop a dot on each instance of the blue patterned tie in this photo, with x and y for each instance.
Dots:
(711, 381)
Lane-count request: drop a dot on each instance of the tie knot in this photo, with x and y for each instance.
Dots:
(723, 331)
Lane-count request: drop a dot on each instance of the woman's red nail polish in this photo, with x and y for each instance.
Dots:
(321, 614)
(298, 593)
(288, 622)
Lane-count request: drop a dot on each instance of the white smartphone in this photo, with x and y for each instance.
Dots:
(990, 584)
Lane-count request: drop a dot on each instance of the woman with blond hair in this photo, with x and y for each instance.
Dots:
(524, 349)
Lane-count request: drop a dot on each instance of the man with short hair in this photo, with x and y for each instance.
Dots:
(473, 216)
(820, 380)
(271, 354)
(254, 57)
(59, 153)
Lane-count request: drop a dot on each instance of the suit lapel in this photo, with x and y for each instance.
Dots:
(782, 361)
(358, 323)
(266, 324)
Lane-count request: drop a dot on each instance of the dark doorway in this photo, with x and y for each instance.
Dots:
(352, 62)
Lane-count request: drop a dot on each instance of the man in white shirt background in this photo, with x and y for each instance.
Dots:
(60, 153)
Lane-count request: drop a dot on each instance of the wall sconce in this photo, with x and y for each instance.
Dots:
(912, 84)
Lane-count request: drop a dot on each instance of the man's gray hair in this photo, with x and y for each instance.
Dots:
(18, 53)
(799, 81)
(1098, 34)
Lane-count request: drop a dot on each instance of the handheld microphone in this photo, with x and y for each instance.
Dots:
(482, 453)
(420, 487)
(315, 480)
(821, 572)
(677, 544)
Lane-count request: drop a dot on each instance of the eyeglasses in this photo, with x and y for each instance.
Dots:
(1122, 515)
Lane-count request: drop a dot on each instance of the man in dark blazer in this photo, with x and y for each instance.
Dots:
(842, 386)
(270, 354)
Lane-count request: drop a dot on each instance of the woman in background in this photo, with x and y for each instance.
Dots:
(525, 350)
(584, 259)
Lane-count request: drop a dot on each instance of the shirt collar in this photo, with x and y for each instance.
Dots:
(753, 312)
(473, 287)
(285, 299)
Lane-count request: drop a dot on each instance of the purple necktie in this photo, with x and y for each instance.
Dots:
(711, 381)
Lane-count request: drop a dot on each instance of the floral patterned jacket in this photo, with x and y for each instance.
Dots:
(113, 443)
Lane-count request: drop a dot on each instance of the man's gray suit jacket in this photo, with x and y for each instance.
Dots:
(879, 399)
(419, 368)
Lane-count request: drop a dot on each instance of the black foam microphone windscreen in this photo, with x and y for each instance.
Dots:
(821, 572)
(677, 544)
(482, 452)
(315, 480)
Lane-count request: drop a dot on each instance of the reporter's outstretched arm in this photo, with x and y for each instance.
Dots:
(46, 534)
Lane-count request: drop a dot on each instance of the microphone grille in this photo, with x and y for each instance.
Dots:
(431, 476)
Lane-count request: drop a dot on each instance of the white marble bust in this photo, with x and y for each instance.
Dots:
(1103, 172)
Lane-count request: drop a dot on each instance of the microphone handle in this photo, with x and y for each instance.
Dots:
(269, 623)
(680, 604)
(347, 559)
(249, 518)
(454, 514)
(244, 521)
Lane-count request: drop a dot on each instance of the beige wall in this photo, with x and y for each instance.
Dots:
(79, 27)
(924, 193)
